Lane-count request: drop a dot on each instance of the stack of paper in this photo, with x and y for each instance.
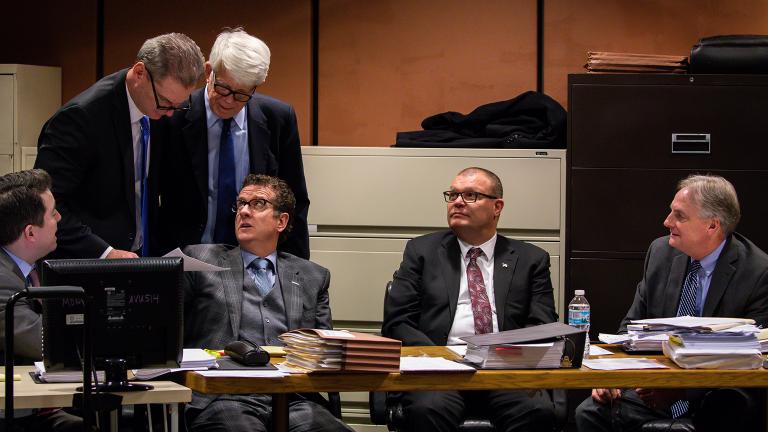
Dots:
(61, 376)
(732, 348)
(640, 339)
(762, 337)
(650, 334)
(192, 359)
(613, 62)
(329, 350)
(516, 356)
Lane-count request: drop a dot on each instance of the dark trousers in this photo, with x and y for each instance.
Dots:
(509, 410)
(57, 421)
(625, 414)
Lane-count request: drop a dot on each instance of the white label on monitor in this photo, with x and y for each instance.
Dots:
(74, 319)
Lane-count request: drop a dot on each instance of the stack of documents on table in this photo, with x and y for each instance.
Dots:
(650, 334)
(318, 350)
(733, 348)
(762, 337)
(614, 62)
(62, 376)
(191, 359)
(537, 347)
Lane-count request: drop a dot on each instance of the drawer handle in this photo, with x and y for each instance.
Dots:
(686, 143)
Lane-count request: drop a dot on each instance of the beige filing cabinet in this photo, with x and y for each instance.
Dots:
(366, 203)
(29, 95)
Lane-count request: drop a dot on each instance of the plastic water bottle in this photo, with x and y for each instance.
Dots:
(578, 316)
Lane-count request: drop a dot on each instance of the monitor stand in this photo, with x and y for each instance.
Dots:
(116, 379)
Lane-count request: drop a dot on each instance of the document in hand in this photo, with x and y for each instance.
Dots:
(550, 345)
(334, 351)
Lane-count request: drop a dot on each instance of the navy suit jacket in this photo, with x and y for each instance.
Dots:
(87, 148)
(274, 149)
(421, 304)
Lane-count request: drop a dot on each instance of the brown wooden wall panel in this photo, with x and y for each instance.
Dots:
(386, 65)
(53, 34)
(284, 26)
(571, 28)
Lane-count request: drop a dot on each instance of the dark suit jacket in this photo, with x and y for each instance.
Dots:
(274, 149)
(26, 314)
(87, 148)
(213, 300)
(421, 305)
(739, 285)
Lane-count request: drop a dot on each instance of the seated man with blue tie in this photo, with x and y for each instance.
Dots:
(27, 233)
(262, 294)
(702, 268)
(464, 281)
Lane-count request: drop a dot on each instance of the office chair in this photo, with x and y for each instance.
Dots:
(386, 409)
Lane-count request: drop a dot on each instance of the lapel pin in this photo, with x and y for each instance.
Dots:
(295, 283)
(504, 265)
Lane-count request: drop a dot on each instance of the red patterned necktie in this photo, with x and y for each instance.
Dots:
(481, 307)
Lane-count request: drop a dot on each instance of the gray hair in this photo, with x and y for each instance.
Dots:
(715, 197)
(245, 57)
(173, 55)
(496, 188)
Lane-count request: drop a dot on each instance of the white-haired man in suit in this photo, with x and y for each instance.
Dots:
(263, 294)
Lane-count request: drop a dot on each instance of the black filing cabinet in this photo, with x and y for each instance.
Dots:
(631, 138)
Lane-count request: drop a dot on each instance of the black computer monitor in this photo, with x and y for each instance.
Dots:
(136, 312)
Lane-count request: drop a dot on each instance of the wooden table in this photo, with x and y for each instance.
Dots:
(28, 394)
(583, 378)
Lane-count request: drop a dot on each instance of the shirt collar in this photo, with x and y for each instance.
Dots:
(25, 267)
(708, 262)
(487, 247)
(248, 258)
(135, 112)
(212, 118)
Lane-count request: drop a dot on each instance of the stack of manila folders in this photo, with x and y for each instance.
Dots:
(192, 359)
(317, 350)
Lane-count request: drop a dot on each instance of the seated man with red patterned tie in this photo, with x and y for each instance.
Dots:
(702, 268)
(27, 233)
(464, 281)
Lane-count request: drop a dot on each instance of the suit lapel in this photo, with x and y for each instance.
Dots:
(675, 284)
(504, 263)
(121, 124)
(721, 277)
(196, 139)
(291, 287)
(260, 157)
(7, 262)
(232, 282)
(450, 259)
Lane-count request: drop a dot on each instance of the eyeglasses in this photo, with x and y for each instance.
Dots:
(224, 90)
(184, 107)
(257, 204)
(467, 197)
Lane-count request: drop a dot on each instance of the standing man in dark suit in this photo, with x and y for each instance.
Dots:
(96, 148)
(466, 281)
(702, 268)
(229, 132)
(263, 294)
(28, 233)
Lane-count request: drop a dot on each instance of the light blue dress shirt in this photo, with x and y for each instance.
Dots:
(239, 130)
(25, 267)
(705, 276)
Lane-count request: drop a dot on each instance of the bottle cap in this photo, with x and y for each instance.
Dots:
(579, 292)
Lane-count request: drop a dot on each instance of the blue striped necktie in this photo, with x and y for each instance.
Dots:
(144, 162)
(688, 306)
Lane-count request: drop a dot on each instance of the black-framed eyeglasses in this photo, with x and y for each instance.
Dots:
(256, 204)
(183, 107)
(467, 196)
(224, 91)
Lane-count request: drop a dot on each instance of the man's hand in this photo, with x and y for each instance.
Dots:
(604, 396)
(660, 399)
(117, 253)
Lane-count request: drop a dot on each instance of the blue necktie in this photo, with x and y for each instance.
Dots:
(261, 275)
(688, 306)
(224, 231)
(144, 158)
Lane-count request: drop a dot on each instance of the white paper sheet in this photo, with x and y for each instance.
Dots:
(598, 351)
(243, 373)
(460, 350)
(622, 364)
(432, 364)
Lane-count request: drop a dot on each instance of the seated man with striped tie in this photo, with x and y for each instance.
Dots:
(702, 268)
(262, 294)
(27, 233)
(464, 281)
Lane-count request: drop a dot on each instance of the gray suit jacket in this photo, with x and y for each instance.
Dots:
(26, 314)
(213, 300)
(739, 286)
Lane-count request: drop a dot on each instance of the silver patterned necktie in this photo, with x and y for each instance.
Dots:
(259, 268)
